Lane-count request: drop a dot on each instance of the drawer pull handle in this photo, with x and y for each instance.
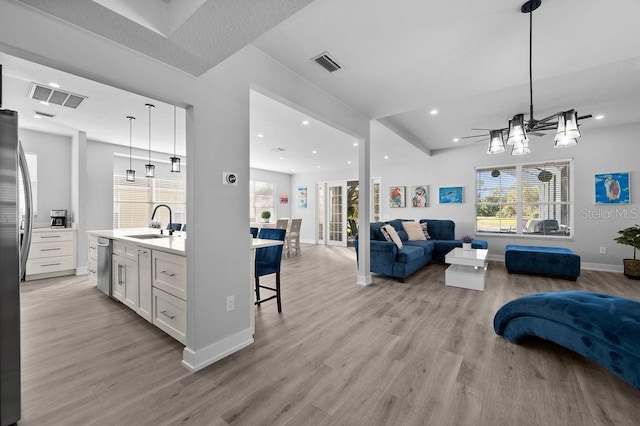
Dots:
(142, 252)
(51, 264)
(51, 249)
(92, 271)
(169, 274)
(171, 317)
(50, 236)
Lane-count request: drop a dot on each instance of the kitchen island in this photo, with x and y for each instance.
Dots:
(147, 272)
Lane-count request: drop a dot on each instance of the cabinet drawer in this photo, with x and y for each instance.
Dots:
(47, 237)
(127, 251)
(169, 314)
(51, 249)
(93, 247)
(49, 264)
(169, 273)
(92, 270)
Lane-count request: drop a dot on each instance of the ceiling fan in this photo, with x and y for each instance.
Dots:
(565, 122)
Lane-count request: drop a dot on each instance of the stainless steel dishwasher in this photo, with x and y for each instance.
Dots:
(104, 265)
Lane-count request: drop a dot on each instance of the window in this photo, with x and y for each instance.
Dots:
(261, 197)
(32, 164)
(525, 199)
(133, 202)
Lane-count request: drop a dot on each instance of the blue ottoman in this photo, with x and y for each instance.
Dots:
(601, 327)
(547, 261)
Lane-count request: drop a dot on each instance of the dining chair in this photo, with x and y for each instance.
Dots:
(268, 260)
(174, 226)
(282, 224)
(293, 238)
(254, 231)
(184, 227)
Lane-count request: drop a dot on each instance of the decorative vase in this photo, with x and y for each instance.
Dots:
(466, 246)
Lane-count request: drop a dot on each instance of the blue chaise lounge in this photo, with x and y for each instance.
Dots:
(601, 327)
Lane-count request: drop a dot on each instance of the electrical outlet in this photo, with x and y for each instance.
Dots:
(231, 303)
(603, 250)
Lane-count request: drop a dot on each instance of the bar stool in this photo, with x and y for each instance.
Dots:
(268, 261)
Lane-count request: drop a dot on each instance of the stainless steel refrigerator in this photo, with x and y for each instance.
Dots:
(14, 249)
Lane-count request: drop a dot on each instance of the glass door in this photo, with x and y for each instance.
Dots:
(320, 213)
(337, 209)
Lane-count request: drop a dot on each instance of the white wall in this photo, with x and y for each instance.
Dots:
(54, 171)
(599, 150)
(283, 184)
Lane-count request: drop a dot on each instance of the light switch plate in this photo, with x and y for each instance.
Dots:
(230, 178)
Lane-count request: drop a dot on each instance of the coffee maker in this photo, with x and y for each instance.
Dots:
(58, 218)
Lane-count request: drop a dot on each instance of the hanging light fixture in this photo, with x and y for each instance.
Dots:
(565, 123)
(151, 169)
(496, 142)
(131, 174)
(175, 160)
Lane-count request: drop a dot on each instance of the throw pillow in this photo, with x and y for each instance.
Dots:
(413, 230)
(385, 234)
(393, 234)
(424, 230)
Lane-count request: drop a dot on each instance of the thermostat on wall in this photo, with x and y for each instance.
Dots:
(230, 178)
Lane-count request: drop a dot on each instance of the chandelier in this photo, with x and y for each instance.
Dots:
(517, 133)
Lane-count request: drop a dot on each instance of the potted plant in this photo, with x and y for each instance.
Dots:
(266, 215)
(466, 242)
(631, 237)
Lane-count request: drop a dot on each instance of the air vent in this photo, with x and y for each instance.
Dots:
(327, 62)
(278, 149)
(55, 96)
(43, 114)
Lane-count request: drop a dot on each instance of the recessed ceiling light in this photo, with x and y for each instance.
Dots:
(44, 102)
(282, 158)
(305, 122)
(293, 170)
(355, 144)
(56, 85)
(386, 157)
(260, 135)
(433, 112)
(37, 116)
(599, 117)
(348, 162)
(318, 167)
(456, 139)
(314, 152)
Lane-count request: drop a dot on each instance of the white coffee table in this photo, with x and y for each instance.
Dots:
(467, 268)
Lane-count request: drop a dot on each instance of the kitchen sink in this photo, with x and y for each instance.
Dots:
(148, 236)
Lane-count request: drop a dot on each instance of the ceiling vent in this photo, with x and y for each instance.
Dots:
(327, 62)
(278, 149)
(55, 96)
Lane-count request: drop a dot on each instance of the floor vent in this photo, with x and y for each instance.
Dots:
(55, 96)
(327, 62)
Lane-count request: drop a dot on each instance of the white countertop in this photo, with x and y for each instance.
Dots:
(173, 244)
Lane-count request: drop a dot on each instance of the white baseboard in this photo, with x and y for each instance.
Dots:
(197, 360)
(81, 270)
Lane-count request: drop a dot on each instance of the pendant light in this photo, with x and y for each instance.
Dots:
(568, 132)
(151, 169)
(175, 161)
(496, 143)
(131, 174)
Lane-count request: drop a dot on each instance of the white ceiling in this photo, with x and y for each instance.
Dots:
(401, 59)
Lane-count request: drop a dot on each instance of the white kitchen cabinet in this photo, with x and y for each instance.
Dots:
(170, 314)
(92, 263)
(170, 273)
(124, 285)
(52, 253)
(145, 299)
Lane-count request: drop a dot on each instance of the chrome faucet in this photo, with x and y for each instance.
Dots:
(170, 217)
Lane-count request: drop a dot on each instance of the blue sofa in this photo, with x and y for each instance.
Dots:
(387, 259)
(601, 327)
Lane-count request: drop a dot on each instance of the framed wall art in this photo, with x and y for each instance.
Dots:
(302, 197)
(397, 196)
(612, 188)
(450, 195)
(420, 196)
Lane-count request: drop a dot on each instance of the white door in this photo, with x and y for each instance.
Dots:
(321, 213)
(336, 234)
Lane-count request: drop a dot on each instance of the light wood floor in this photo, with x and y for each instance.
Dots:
(391, 353)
